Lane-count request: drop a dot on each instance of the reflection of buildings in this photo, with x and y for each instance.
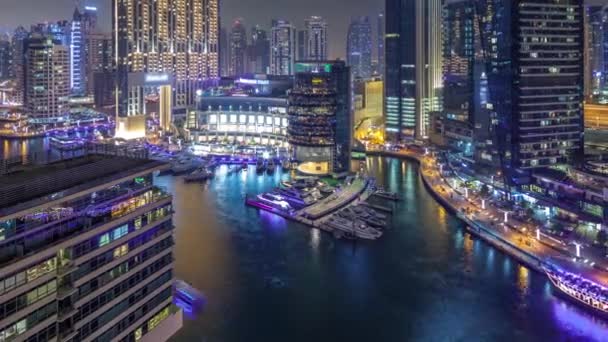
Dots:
(359, 47)
(235, 119)
(282, 48)
(100, 251)
(320, 117)
(47, 82)
(180, 40)
(412, 66)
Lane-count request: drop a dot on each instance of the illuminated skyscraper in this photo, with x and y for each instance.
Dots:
(359, 47)
(238, 47)
(5, 57)
(174, 41)
(46, 78)
(282, 48)
(258, 52)
(83, 25)
(596, 54)
(380, 44)
(315, 38)
(413, 66)
(18, 65)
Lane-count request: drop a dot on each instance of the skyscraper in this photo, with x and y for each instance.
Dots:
(95, 262)
(536, 82)
(413, 66)
(18, 65)
(83, 25)
(359, 47)
(5, 57)
(238, 47)
(224, 53)
(315, 38)
(258, 52)
(47, 80)
(380, 45)
(301, 56)
(176, 40)
(596, 54)
(320, 117)
(282, 48)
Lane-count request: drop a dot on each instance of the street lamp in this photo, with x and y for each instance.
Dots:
(506, 216)
(483, 204)
(538, 234)
(578, 249)
(466, 192)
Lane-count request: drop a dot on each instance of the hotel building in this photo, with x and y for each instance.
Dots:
(86, 251)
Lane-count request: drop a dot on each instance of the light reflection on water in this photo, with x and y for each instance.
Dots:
(267, 279)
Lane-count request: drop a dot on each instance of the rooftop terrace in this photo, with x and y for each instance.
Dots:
(32, 185)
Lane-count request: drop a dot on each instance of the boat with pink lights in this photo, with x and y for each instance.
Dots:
(583, 291)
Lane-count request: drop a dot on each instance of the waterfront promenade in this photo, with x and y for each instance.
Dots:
(519, 239)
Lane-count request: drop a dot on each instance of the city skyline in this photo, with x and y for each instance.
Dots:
(258, 12)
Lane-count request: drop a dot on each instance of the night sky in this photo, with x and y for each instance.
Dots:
(336, 12)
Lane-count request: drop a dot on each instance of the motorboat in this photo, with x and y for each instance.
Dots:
(271, 166)
(259, 166)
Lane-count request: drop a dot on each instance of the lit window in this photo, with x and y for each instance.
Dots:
(121, 250)
(120, 232)
(104, 240)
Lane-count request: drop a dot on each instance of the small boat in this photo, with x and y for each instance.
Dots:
(285, 165)
(244, 167)
(259, 166)
(271, 166)
(198, 175)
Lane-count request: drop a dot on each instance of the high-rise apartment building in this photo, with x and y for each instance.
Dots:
(282, 48)
(315, 38)
(258, 52)
(18, 65)
(86, 251)
(596, 54)
(320, 117)
(83, 25)
(359, 47)
(5, 57)
(238, 48)
(301, 55)
(412, 66)
(380, 45)
(224, 50)
(47, 82)
(174, 41)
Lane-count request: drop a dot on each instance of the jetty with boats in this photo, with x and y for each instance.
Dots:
(343, 211)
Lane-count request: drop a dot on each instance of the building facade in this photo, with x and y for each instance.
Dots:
(379, 69)
(359, 47)
(536, 88)
(315, 39)
(320, 117)
(412, 66)
(238, 48)
(95, 262)
(83, 25)
(596, 54)
(47, 81)
(241, 120)
(282, 48)
(177, 38)
(5, 58)
(18, 66)
(258, 52)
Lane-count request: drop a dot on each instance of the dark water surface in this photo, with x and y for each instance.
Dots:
(266, 279)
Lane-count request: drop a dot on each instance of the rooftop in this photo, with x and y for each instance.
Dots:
(33, 185)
